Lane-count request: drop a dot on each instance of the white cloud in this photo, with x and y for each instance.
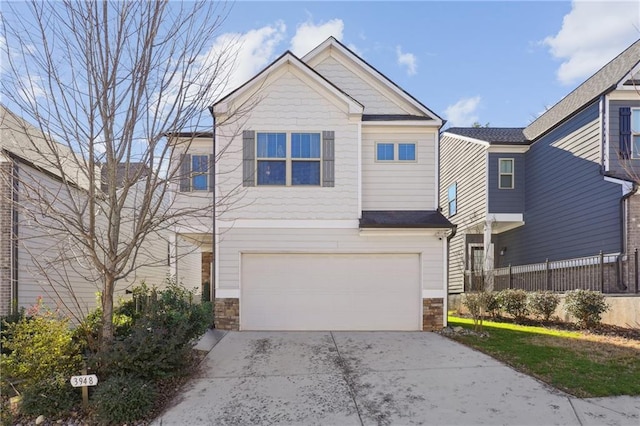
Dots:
(592, 34)
(463, 113)
(408, 60)
(246, 54)
(309, 35)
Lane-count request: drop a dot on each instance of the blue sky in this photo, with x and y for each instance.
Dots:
(493, 62)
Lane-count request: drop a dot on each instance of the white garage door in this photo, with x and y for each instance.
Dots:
(330, 292)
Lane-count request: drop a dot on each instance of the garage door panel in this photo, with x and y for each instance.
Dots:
(330, 292)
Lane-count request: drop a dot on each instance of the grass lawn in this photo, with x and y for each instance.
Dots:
(582, 364)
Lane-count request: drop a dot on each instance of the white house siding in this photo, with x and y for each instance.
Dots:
(464, 163)
(189, 265)
(53, 266)
(365, 92)
(286, 240)
(399, 185)
(289, 104)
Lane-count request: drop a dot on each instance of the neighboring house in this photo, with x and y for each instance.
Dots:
(37, 261)
(327, 200)
(562, 187)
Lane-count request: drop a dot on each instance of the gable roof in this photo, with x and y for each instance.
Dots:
(332, 42)
(493, 135)
(289, 58)
(603, 81)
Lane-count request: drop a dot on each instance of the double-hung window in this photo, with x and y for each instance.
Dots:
(272, 158)
(288, 158)
(395, 151)
(305, 159)
(452, 198)
(635, 131)
(199, 172)
(505, 173)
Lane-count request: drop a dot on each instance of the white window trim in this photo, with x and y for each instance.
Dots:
(194, 174)
(396, 152)
(512, 174)
(288, 159)
(634, 155)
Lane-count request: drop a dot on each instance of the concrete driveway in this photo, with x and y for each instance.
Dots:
(372, 378)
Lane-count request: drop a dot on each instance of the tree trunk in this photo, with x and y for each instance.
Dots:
(106, 335)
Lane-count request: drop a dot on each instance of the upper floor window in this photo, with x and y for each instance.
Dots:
(272, 154)
(505, 173)
(199, 172)
(293, 160)
(635, 131)
(452, 198)
(390, 151)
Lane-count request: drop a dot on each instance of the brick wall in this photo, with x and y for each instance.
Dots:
(633, 223)
(227, 314)
(5, 237)
(432, 314)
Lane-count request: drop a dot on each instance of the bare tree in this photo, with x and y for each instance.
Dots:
(104, 82)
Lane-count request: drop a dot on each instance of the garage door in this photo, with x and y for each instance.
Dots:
(330, 292)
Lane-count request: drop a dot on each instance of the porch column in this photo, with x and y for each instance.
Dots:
(488, 256)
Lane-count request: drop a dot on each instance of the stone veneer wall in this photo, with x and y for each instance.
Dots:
(227, 314)
(5, 237)
(432, 314)
(633, 223)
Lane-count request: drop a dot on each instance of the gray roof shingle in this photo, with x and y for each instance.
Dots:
(493, 135)
(598, 84)
(404, 219)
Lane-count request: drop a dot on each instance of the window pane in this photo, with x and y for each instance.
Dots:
(635, 120)
(271, 172)
(199, 163)
(305, 173)
(407, 151)
(506, 181)
(636, 147)
(506, 166)
(385, 152)
(272, 145)
(305, 145)
(452, 207)
(199, 182)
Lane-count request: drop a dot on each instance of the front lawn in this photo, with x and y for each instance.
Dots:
(582, 364)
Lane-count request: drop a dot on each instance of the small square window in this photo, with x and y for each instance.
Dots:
(385, 152)
(305, 145)
(271, 172)
(505, 173)
(272, 145)
(407, 152)
(452, 198)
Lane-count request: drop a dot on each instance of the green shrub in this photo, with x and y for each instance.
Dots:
(493, 304)
(123, 399)
(543, 303)
(50, 397)
(39, 347)
(513, 302)
(586, 307)
(160, 338)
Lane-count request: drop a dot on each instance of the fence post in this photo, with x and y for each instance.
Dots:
(510, 278)
(601, 272)
(547, 277)
(635, 269)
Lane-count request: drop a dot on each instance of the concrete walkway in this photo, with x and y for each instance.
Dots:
(372, 378)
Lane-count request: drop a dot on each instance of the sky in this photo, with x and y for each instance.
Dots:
(497, 63)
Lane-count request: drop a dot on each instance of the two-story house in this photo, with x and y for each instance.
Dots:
(38, 258)
(330, 220)
(563, 187)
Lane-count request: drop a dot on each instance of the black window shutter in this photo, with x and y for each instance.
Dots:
(328, 150)
(625, 133)
(248, 157)
(212, 171)
(185, 173)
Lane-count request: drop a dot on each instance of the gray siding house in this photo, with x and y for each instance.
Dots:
(562, 187)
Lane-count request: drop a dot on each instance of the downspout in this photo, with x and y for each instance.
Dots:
(14, 237)
(624, 218)
(212, 285)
